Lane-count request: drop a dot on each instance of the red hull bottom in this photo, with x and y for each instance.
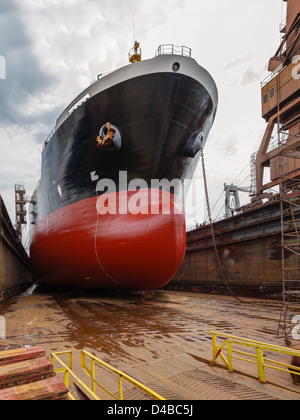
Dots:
(78, 247)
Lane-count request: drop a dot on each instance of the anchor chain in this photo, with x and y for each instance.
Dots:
(213, 232)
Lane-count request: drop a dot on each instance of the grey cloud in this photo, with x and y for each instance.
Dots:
(252, 76)
(23, 71)
(72, 39)
(229, 146)
(6, 6)
(238, 61)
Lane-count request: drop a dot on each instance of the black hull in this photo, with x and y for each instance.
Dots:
(159, 116)
(162, 113)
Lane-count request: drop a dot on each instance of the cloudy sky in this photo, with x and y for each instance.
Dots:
(54, 48)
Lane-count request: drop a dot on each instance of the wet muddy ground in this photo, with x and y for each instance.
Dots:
(136, 336)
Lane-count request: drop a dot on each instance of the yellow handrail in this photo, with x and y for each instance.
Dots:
(229, 340)
(92, 375)
(67, 370)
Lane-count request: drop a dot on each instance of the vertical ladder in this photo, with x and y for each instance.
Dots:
(290, 246)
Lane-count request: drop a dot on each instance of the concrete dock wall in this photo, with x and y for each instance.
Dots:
(249, 247)
(14, 262)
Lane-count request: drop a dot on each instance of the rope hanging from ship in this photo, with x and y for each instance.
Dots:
(213, 233)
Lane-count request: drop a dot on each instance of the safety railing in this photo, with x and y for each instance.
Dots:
(270, 77)
(48, 139)
(66, 369)
(173, 50)
(256, 358)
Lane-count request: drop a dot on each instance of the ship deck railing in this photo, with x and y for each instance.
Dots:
(258, 358)
(173, 50)
(48, 139)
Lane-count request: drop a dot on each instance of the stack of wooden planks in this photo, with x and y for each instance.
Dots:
(27, 374)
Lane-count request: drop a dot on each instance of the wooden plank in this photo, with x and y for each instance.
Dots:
(18, 355)
(25, 372)
(48, 389)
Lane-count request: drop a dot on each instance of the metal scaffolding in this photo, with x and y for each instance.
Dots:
(281, 108)
(290, 240)
(21, 213)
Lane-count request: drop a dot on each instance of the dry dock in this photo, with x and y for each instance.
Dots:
(249, 247)
(14, 261)
(165, 344)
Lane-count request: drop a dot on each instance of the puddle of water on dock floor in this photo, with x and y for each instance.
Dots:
(119, 329)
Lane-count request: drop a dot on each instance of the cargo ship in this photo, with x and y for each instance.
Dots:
(258, 244)
(108, 209)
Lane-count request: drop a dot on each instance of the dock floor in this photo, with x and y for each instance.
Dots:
(165, 344)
